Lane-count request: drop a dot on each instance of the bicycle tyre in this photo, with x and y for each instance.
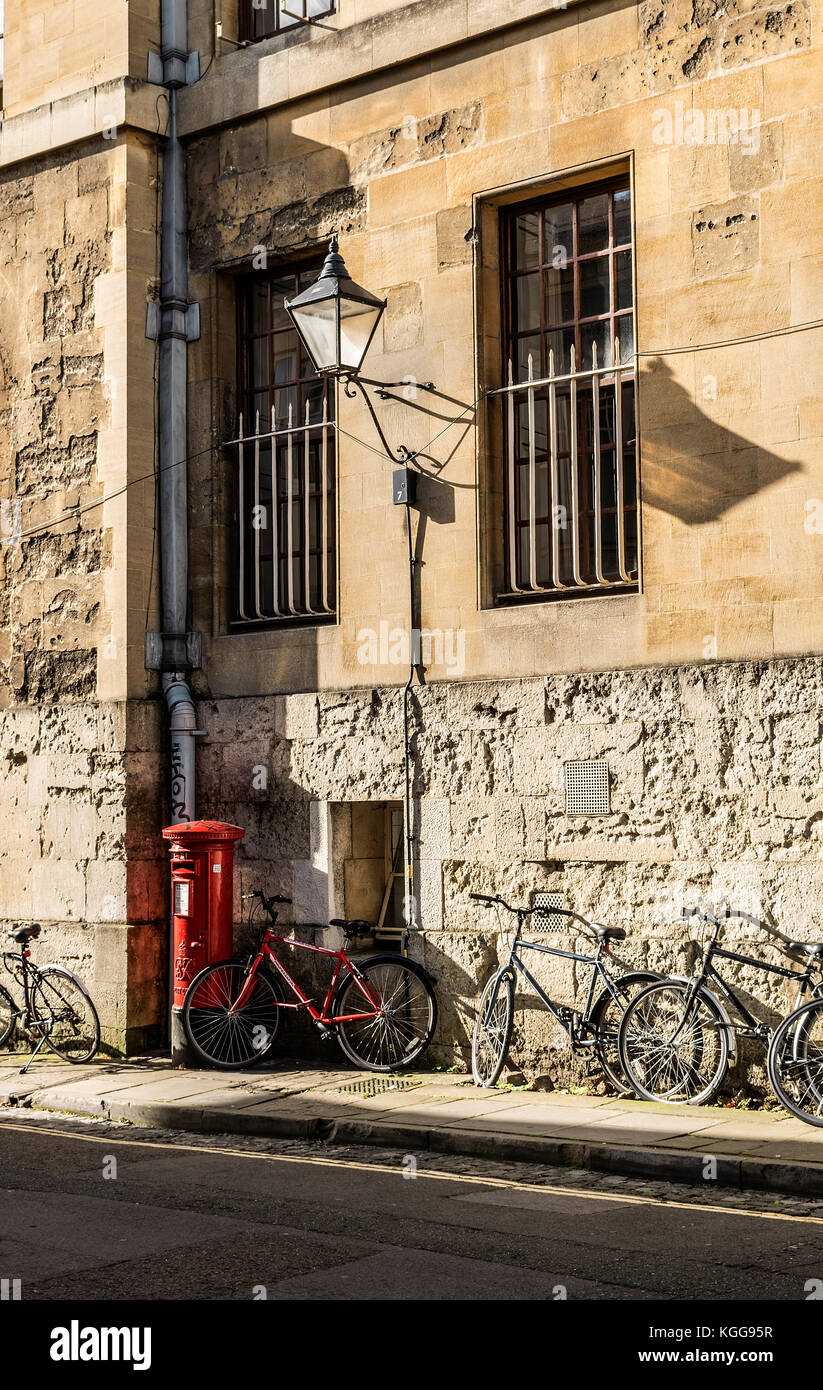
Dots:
(61, 1002)
(655, 1066)
(790, 1066)
(8, 1017)
(492, 1030)
(230, 1046)
(608, 1052)
(396, 1038)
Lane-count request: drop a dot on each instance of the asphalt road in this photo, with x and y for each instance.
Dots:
(104, 1212)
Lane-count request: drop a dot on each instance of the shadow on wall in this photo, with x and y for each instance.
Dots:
(693, 467)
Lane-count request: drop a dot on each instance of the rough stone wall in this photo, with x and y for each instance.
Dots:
(716, 795)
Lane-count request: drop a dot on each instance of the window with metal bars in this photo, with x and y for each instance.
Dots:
(569, 398)
(286, 534)
(260, 19)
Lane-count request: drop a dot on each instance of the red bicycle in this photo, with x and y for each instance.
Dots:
(382, 1011)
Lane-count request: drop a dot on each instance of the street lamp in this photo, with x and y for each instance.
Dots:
(336, 321)
(336, 318)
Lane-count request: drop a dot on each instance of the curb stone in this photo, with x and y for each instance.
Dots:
(682, 1167)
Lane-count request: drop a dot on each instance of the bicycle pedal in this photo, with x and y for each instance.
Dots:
(326, 1034)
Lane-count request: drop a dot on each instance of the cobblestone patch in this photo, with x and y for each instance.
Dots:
(527, 1174)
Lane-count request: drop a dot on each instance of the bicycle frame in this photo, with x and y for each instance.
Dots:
(566, 1017)
(25, 971)
(707, 971)
(323, 1017)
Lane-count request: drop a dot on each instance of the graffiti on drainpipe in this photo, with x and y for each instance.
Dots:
(178, 785)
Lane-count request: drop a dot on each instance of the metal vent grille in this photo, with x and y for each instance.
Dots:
(374, 1086)
(546, 917)
(587, 788)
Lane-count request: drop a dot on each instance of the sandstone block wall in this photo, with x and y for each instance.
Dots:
(716, 795)
(402, 162)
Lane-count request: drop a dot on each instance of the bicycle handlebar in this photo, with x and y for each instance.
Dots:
(705, 916)
(497, 901)
(267, 902)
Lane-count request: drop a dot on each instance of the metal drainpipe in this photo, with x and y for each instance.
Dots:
(172, 414)
(176, 323)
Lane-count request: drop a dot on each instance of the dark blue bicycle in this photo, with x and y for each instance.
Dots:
(592, 1032)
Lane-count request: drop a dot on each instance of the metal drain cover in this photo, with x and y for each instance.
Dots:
(374, 1086)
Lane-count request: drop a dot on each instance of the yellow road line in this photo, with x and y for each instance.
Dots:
(468, 1178)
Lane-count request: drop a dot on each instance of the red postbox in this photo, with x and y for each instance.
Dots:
(202, 883)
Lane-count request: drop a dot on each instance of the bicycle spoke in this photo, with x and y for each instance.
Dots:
(223, 1035)
(398, 1028)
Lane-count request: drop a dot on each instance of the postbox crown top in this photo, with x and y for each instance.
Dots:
(187, 832)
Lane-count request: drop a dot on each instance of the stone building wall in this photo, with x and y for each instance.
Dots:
(397, 125)
(81, 781)
(702, 691)
(716, 795)
(402, 138)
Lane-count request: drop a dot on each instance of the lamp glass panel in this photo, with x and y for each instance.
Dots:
(357, 323)
(318, 327)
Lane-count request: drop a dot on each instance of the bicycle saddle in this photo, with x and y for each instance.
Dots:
(353, 928)
(24, 934)
(809, 948)
(608, 933)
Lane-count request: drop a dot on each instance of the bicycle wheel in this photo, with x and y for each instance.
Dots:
(796, 1063)
(8, 1016)
(227, 1038)
(668, 1054)
(605, 1021)
(69, 1017)
(404, 1026)
(492, 1029)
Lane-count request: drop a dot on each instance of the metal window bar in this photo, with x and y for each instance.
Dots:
(287, 452)
(604, 385)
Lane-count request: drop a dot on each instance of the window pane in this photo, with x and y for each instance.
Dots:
(528, 302)
(599, 333)
(559, 287)
(624, 330)
(265, 17)
(259, 308)
(594, 287)
(527, 249)
(560, 343)
(622, 217)
(623, 279)
(285, 358)
(527, 347)
(259, 362)
(593, 230)
(559, 246)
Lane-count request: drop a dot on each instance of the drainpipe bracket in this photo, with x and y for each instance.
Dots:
(172, 320)
(173, 651)
(171, 68)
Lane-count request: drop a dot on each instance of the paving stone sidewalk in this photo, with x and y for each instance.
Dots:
(437, 1112)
